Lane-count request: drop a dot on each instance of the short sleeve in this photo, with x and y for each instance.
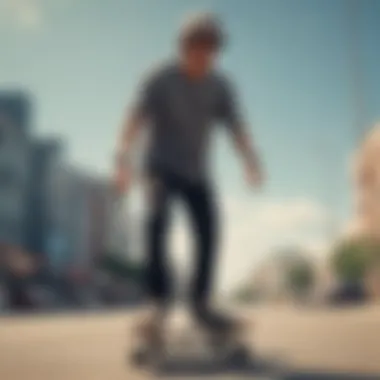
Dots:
(229, 112)
(144, 102)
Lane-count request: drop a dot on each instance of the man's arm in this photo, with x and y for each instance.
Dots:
(125, 148)
(249, 155)
(230, 115)
(245, 147)
(130, 132)
(134, 121)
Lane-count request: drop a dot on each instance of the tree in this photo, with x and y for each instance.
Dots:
(300, 277)
(351, 260)
(247, 294)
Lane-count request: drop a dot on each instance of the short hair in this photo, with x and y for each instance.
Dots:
(203, 28)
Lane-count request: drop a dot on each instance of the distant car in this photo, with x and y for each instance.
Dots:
(348, 293)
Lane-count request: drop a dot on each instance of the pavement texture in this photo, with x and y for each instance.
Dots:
(339, 344)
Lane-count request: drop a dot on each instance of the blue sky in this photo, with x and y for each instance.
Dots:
(291, 61)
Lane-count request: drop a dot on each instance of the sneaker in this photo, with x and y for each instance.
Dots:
(150, 323)
(216, 321)
(148, 335)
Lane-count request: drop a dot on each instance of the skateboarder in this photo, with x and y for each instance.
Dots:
(179, 103)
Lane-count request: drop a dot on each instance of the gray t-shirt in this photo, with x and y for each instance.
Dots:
(181, 114)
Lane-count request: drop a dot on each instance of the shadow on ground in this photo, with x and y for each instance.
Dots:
(269, 370)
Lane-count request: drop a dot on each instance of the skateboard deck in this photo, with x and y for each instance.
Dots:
(189, 349)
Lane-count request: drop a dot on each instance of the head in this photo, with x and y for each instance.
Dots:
(201, 40)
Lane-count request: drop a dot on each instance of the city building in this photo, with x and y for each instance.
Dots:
(364, 226)
(366, 184)
(14, 166)
(44, 160)
(123, 234)
(80, 221)
(15, 107)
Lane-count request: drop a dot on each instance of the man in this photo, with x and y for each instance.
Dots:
(179, 104)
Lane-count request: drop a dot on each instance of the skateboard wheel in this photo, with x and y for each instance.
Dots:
(139, 358)
(239, 356)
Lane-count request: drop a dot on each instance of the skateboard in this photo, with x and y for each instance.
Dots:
(192, 344)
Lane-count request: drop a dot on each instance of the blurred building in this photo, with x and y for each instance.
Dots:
(81, 220)
(15, 107)
(47, 208)
(365, 223)
(14, 166)
(44, 160)
(98, 217)
(51, 213)
(366, 176)
(26, 167)
(123, 230)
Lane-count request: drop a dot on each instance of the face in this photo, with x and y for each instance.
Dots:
(200, 58)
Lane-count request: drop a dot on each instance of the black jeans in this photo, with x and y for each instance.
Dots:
(201, 206)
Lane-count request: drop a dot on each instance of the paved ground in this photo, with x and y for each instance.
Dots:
(93, 346)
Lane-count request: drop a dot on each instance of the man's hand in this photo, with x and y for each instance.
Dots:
(124, 171)
(122, 179)
(250, 158)
(254, 175)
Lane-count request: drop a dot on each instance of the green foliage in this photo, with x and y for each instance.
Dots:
(300, 276)
(121, 268)
(243, 295)
(352, 259)
(246, 295)
(297, 270)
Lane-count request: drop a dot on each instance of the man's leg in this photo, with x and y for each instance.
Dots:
(203, 213)
(157, 224)
(149, 325)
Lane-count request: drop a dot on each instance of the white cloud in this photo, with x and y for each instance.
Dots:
(27, 14)
(22, 13)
